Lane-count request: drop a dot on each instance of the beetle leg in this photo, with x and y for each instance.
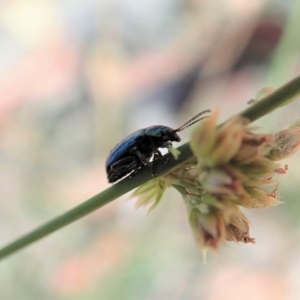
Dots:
(153, 171)
(159, 155)
(124, 164)
(146, 162)
(122, 167)
(134, 172)
(167, 144)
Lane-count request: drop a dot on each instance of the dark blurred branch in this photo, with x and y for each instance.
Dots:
(280, 97)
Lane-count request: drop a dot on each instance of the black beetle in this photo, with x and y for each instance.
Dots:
(137, 149)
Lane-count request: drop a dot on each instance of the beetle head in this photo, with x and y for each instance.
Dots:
(169, 134)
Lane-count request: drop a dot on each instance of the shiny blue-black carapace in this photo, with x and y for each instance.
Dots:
(137, 149)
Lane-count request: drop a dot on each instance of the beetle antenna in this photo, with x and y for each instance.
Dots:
(192, 121)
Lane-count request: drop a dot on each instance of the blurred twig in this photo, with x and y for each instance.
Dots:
(280, 97)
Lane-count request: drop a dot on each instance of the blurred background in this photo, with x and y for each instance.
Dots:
(78, 76)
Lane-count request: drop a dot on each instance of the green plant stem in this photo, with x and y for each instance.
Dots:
(280, 97)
